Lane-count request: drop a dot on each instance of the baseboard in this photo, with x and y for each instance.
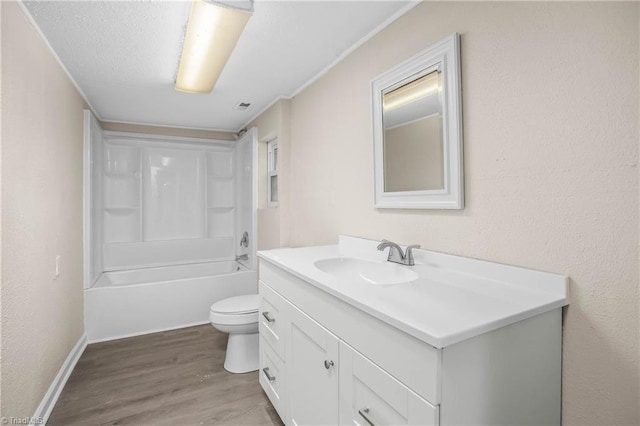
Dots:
(142, 333)
(51, 397)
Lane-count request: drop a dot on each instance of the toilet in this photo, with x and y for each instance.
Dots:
(238, 316)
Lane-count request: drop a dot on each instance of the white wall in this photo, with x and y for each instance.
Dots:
(41, 215)
(550, 103)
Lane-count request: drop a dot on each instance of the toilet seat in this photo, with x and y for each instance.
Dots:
(237, 305)
(235, 310)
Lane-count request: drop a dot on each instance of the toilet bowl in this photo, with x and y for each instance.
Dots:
(238, 316)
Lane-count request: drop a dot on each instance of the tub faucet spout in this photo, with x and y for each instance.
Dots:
(244, 257)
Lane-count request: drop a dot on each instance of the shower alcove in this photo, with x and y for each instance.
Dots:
(164, 218)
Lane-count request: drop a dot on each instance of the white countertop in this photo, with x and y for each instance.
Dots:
(454, 299)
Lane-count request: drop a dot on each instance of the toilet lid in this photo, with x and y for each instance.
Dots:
(237, 305)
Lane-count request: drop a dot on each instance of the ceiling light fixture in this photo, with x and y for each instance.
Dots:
(212, 33)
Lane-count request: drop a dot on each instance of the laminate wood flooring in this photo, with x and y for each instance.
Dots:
(169, 378)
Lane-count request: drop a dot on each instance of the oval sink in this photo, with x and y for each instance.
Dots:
(370, 271)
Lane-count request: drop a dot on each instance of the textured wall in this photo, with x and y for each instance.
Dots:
(550, 99)
(42, 318)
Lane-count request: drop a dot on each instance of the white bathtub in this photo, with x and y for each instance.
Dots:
(140, 301)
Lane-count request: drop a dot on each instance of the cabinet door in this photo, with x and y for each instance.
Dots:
(312, 368)
(369, 396)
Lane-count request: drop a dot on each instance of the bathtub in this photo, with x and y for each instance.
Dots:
(139, 301)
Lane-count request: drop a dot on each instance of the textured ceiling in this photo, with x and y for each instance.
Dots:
(124, 55)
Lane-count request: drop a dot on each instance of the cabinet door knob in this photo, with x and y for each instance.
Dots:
(364, 413)
(328, 364)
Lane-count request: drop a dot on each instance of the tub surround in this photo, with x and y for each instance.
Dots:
(460, 341)
(453, 299)
(154, 200)
(161, 200)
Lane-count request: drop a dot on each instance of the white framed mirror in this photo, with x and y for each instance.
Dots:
(417, 131)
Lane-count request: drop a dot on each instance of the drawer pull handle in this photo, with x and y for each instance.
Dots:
(328, 364)
(269, 376)
(364, 413)
(268, 317)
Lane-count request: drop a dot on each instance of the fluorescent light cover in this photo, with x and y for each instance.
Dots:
(212, 34)
(420, 88)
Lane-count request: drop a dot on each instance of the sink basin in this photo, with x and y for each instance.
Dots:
(373, 272)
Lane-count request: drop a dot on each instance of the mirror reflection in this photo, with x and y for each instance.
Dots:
(413, 135)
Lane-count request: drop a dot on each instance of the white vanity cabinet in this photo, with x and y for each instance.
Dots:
(320, 379)
(327, 360)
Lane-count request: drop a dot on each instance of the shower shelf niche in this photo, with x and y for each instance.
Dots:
(220, 195)
(121, 192)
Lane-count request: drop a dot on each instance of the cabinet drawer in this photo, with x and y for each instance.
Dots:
(370, 396)
(271, 320)
(273, 377)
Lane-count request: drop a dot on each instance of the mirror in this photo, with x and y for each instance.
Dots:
(412, 119)
(417, 131)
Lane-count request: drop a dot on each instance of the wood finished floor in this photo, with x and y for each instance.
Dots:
(169, 378)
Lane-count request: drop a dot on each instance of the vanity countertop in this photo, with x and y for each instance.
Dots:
(453, 299)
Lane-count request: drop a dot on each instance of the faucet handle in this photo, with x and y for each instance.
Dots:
(408, 255)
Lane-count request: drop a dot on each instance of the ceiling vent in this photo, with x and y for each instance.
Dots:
(242, 106)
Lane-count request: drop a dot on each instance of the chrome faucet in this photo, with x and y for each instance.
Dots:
(396, 254)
